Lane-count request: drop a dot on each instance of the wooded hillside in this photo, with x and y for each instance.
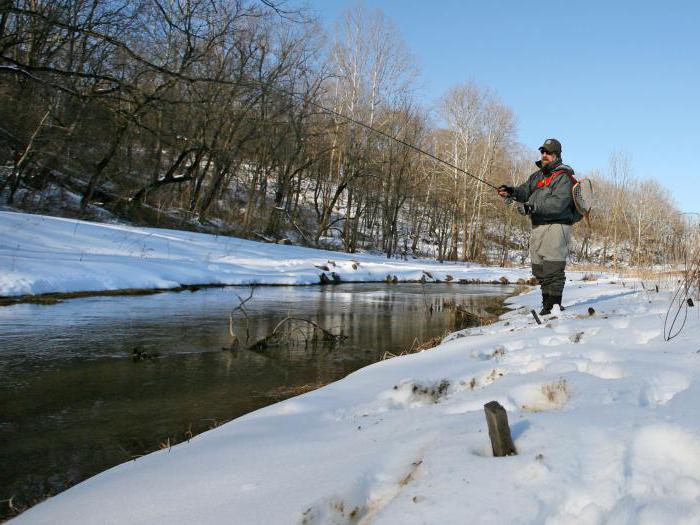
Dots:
(189, 113)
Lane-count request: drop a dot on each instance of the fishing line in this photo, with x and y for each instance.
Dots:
(384, 134)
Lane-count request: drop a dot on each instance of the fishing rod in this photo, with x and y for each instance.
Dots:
(188, 78)
(384, 134)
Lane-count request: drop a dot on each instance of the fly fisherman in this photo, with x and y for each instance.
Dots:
(546, 198)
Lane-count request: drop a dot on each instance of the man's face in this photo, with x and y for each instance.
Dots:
(546, 157)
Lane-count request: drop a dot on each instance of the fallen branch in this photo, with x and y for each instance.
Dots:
(276, 334)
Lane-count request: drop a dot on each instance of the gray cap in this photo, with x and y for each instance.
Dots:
(551, 146)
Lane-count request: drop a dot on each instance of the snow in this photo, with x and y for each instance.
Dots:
(41, 254)
(605, 415)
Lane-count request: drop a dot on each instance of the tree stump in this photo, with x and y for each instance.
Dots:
(499, 431)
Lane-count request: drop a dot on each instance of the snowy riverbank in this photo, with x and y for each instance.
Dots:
(605, 416)
(40, 254)
(604, 413)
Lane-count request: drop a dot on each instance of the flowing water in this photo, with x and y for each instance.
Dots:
(75, 398)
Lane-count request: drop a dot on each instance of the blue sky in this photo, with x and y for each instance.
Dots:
(599, 76)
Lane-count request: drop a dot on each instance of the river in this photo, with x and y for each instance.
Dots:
(90, 383)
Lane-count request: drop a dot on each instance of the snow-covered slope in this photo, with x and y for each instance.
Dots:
(41, 254)
(605, 416)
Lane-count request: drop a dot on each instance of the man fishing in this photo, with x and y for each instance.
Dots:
(546, 198)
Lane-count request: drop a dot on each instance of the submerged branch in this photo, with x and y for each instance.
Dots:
(276, 335)
(240, 308)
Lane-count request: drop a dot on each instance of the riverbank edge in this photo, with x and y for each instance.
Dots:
(58, 297)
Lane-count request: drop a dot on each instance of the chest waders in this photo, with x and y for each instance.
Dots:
(549, 247)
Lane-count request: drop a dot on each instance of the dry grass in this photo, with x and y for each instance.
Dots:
(555, 396)
(521, 289)
(648, 274)
(284, 392)
(556, 392)
(417, 346)
(623, 271)
(650, 279)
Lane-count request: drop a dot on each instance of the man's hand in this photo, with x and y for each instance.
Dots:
(525, 208)
(505, 191)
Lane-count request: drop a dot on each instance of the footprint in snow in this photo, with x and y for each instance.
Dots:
(512, 346)
(600, 356)
(663, 387)
(667, 473)
(602, 370)
(367, 496)
(643, 337)
(620, 324)
(553, 340)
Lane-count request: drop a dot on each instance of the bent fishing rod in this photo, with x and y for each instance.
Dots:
(188, 78)
(382, 133)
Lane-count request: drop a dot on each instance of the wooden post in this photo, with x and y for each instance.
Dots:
(499, 431)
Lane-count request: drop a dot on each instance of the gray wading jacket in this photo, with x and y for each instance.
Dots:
(551, 199)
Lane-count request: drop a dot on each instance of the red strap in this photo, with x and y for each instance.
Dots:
(547, 181)
(571, 175)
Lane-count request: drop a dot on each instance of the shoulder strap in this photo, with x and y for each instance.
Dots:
(569, 173)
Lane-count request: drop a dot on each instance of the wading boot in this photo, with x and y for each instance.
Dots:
(556, 299)
(547, 303)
